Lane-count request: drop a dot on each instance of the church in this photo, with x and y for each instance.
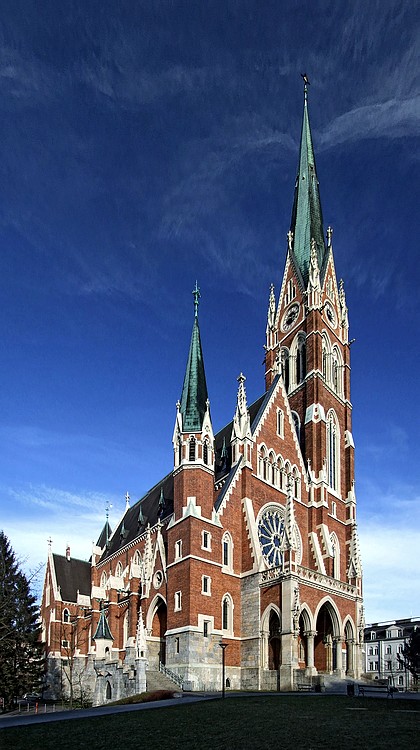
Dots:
(242, 564)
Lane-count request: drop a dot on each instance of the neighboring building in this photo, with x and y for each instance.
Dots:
(383, 642)
(251, 537)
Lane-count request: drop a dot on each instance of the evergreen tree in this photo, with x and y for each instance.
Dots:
(21, 664)
(410, 656)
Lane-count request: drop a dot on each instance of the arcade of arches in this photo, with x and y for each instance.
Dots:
(328, 648)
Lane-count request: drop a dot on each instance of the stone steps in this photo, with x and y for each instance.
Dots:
(157, 681)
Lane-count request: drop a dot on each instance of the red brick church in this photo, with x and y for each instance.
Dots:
(251, 538)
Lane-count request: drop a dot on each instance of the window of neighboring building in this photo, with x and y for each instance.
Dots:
(389, 665)
(370, 651)
(178, 549)
(206, 585)
(400, 648)
(400, 634)
(388, 650)
(389, 633)
(400, 680)
(372, 636)
(376, 651)
(178, 601)
(370, 666)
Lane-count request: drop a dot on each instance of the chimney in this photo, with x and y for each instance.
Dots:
(68, 552)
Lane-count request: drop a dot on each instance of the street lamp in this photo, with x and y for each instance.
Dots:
(223, 646)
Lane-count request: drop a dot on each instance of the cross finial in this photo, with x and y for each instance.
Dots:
(49, 541)
(306, 84)
(127, 500)
(107, 509)
(241, 378)
(197, 295)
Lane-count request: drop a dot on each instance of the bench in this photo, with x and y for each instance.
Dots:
(376, 689)
(304, 686)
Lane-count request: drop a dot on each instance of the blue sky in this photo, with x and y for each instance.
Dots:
(146, 145)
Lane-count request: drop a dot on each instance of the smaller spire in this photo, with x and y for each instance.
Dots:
(194, 391)
(161, 504)
(241, 427)
(102, 631)
(127, 501)
(271, 315)
(140, 519)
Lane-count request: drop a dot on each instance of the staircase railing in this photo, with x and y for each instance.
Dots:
(172, 675)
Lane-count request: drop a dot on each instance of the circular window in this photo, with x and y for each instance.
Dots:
(271, 533)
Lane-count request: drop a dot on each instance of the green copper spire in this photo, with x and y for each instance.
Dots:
(103, 631)
(306, 221)
(194, 392)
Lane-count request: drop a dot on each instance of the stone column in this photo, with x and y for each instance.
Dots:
(310, 638)
(339, 668)
(350, 657)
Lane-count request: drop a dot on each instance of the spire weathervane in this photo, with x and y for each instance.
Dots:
(306, 84)
(197, 295)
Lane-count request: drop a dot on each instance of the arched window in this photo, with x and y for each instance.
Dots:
(296, 483)
(137, 557)
(206, 452)
(333, 450)
(125, 629)
(296, 422)
(272, 468)
(179, 451)
(103, 580)
(337, 371)
(335, 544)
(66, 615)
(192, 449)
(227, 613)
(301, 359)
(227, 560)
(108, 693)
(326, 358)
(284, 356)
(280, 470)
(262, 462)
(119, 570)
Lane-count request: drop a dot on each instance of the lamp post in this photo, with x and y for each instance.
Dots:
(223, 646)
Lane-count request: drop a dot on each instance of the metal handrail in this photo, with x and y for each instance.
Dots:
(172, 675)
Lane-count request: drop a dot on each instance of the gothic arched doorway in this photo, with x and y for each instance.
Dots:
(325, 645)
(156, 625)
(274, 641)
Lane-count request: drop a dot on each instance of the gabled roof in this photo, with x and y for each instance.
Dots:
(72, 576)
(306, 223)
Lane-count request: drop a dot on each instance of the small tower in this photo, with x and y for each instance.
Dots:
(193, 438)
(103, 638)
(241, 438)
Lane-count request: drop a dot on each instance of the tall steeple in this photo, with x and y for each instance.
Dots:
(194, 392)
(306, 224)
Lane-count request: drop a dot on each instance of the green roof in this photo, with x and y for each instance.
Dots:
(102, 631)
(306, 223)
(194, 392)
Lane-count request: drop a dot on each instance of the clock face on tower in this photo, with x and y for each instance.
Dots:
(270, 534)
(290, 316)
(330, 313)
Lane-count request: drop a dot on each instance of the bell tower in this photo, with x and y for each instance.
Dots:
(193, 438)
(307, 341)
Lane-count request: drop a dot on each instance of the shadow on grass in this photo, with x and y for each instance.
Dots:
(253, 723)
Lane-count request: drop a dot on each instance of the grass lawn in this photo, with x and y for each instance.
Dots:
(254, 723)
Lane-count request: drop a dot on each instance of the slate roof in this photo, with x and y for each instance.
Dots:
(145, 511)
(72, 576)
(104, 535)
(103, 631)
